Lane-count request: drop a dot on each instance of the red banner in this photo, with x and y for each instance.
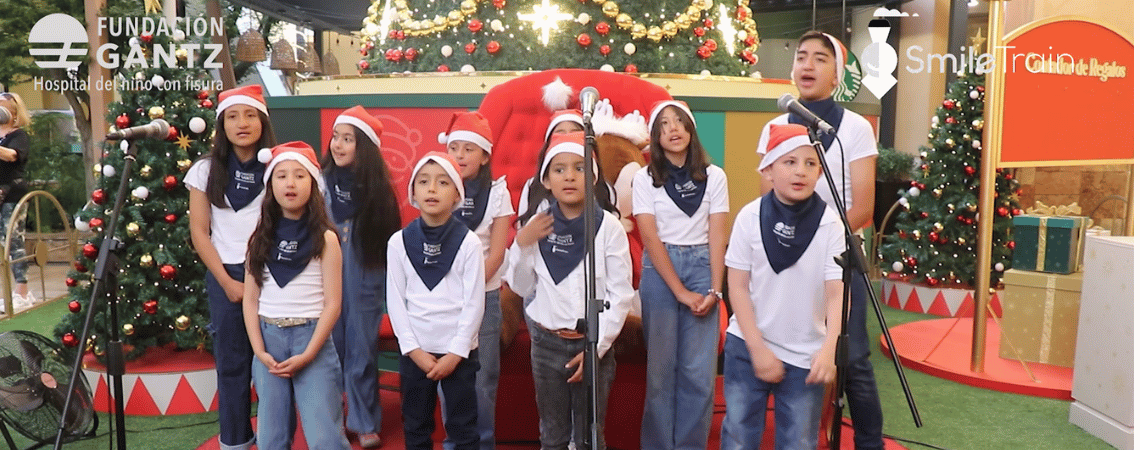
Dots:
(1068, 96)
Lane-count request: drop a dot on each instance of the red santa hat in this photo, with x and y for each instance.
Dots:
(565, 115)
(783, 139)
(574, 143)
(245, 95)
(449, 165)
(359, 118)
(468, 126)
(292, 151)
(660, 106)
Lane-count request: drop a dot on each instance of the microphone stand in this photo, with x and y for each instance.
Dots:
(594, 306)
(104, 282)
(854, 264)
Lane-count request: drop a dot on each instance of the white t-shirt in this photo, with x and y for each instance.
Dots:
(229, 230)
(441, 320)
(790, 307)
(673, 225)
(558, 306)
(498, 205)
(303, 296)
(858, 142)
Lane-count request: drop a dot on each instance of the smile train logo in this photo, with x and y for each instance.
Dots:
(879, 59)
(59, 32)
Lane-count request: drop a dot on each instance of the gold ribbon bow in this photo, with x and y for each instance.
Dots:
(1071, 209)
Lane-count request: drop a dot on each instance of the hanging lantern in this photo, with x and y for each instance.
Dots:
(312, 59)
(329, 64)
(282, 56)
(251, 46)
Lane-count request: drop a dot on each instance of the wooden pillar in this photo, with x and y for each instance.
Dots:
(99, 98)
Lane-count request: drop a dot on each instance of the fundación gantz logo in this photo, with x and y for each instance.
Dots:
(880, 59)
(58, 29)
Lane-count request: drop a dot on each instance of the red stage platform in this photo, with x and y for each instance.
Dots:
(941, 347)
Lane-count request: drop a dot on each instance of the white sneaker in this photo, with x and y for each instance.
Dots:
(30, 298)
(20, 302)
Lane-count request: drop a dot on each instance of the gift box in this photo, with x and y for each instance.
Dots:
(1048, 243)
(1040, 316)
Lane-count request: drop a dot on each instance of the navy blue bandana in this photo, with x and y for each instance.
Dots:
(293, 251)
(787, 230)
(827, 110)
(474, 205)
(686, 193)
(246, 182)
(340, 182)
(565, 247)
(432, 250)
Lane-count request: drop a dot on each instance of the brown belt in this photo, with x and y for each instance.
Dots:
(564, 333)
(286, 322)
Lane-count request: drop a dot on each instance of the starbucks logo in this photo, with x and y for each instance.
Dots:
(849, 86)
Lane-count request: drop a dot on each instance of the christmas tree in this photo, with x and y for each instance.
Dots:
(160, 282)
(669, 36)
(938, 229)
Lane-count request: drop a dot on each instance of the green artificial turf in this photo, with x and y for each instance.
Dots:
(954, 416)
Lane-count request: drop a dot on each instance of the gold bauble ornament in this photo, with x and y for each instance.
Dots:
(133, 229)
(99, 351)
(950, 208)
(610, 9)
(917, 234)
(683, 21)
(128, 329)
(90, 345)
(961, 241)
(467, 7)
(404, 16)
(97, 169)
(146, 261)
(180, 54)
(703, 4)
(937, 192)
(669, 28)
(184, 165)
(654, 33)
(454, 18)
(156, 112)
(971, 207)
(978, 124)
(400, 4)
(694, 13)
(937, 227)
(146, 171)
(599, 2)
(623, 21)
(638, 31)
(950, 142)
(182, 323)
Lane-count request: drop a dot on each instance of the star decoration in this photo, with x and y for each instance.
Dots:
(183, 141)
(546, 18)
(978, 42)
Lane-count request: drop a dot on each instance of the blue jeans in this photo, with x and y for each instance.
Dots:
(232, 359)
(681, 367)
(314, 391)
(16, 247)
(487, 378)
(859, 386)
(356, 337)
(419, 397)
(562, 405)
(798, 405)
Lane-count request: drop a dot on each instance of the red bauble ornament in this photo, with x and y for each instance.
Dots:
(703, 52)
(146, 37)
(499, 4)
(933, 236)
(369, 45)
(699, 31)
(951, 120)
(1016, 211)
(749, 57)
(604, 50)
(363, 65)
(1003, 211)
(903, 235)
(71, 282)
(74, 306)
(708, 23)
(167, 271)
(206, 104)
(493, 47)
(1018, 191)
(924, 214)
(948, 104)
(710, 43)
(1011, 245)
(70, 340)
(630, 68)
(750, 40)
(150, 306)
(399, 35)
(932, 281)
(602, 28)
(968, 221)
(90, 251)
(911, 261)
(1009, 176)
(391, 35)
(80, 267)
(741, 13)
(970, 170)
(95, 222)
(170, 218)
(170, 182)
(981, 88)
(469, 48)
(442, 68)
(98, 196)
(475, 25)
(583, 40)
(122, 121)
(203, 94)
(172, 134)
(411, 54)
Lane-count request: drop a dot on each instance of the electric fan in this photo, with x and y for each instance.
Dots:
(33, 387)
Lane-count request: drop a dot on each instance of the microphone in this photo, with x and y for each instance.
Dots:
(157, 128)
(589, 99)
(792, 106)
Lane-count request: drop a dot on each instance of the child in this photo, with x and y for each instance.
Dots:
(680, 202)
(226, 191)
(536, 198)
(816, 71)
(786, 293)
(14, 147)
(364, 209)
(292, 300)
(435, 300)
(547, 261)
(486, 210)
